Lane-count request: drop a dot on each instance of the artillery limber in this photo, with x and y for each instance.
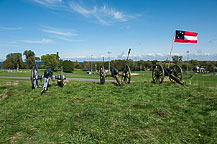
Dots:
(175, 73)
(125, 76)
(47, 77)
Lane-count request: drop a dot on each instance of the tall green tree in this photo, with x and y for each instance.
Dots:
(194, 62)
(85, 65)
(50, 61)
(13, 60)
(68, 66)
(76, 64)
(177, 59)
(30, 58)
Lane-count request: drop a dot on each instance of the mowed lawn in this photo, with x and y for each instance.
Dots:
(88, 112)
(27, 73)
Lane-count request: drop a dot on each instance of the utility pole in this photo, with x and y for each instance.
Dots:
(135, 64)
(187, 62)
(109, 60)
(91, 63)
(57, 60)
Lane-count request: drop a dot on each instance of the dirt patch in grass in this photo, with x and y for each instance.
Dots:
(213, 87)
(2, 97)
(16, 137)
(8, 83)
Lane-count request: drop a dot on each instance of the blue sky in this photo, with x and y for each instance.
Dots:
(78, 29)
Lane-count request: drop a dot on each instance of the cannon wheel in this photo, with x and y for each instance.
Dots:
(158, 74)
(177, 72)
(126, 75)
(60, 81)
(102, 74)
(61, 77)
(34, 80)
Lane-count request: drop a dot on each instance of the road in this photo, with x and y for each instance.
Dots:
(75, 79)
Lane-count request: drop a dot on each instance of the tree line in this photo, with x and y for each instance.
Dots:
(15, 61)
(142, 65)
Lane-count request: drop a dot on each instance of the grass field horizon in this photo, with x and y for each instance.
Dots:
(208, 80)
(88, 112)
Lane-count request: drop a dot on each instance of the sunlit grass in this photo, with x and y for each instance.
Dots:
(87, 112)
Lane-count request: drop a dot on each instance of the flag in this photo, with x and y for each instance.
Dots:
(185, 37)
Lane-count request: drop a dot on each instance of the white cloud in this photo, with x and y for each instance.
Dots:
(59, 32)
(42, 41)
(115, 14)
(103, 15)
(11, 28)
(99, 13)
(8, 45)
(49, 3)
(66, 39)
(156, 54)
(81, 10)
(121, 55)
(153, 56)
(66, 36)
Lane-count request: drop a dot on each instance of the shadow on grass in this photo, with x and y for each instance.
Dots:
(3, 87)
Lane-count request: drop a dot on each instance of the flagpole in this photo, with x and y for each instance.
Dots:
(171, 53)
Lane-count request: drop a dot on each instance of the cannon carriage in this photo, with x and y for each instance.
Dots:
(124, 77)
(174, 73)
(47, 77)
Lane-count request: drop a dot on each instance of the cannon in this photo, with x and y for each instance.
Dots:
(125, 76)
(175, 74)
(47, 77)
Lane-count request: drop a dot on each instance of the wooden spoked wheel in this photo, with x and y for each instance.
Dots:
(34, 77)
(61, 77)
(177, 72)
(102, 74)
(126, 75)
(158, 74)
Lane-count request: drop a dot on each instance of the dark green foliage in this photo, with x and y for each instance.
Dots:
(118, 64)
(30, 58)
(13, 60)
(147, 65)
(177, 59)
(85, 65)
(68, 66)
(76, 64)
(50, 61)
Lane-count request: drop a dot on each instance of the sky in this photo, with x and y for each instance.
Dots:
(89, 29)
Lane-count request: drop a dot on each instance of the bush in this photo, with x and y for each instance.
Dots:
(68, 66)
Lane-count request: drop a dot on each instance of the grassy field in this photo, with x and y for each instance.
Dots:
(207, 80)
(75, 74)
(87, 112)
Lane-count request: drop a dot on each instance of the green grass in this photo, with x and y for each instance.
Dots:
(16, 74)
(207, 80)
(87, 112)
(75, 74)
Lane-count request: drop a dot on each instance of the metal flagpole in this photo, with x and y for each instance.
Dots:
(170, 53)
(187, 62)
